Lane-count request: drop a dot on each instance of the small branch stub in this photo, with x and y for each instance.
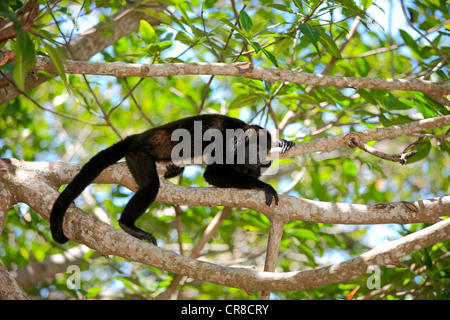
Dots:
(401, 157)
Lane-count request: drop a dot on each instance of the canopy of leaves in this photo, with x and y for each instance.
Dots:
(71, 117)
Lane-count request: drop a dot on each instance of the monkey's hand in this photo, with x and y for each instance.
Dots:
(270, 193)
(284, 145)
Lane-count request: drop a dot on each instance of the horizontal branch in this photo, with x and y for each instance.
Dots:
(240, 69)
(329, 143)
(289, 208)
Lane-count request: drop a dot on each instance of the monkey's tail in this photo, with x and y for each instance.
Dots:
(87, 174)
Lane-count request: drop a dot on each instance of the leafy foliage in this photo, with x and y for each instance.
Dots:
(307, 36)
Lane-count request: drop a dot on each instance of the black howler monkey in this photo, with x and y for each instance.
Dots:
(226, 167)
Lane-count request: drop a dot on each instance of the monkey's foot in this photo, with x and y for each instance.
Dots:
(138, 233)
(270, 193)
(173, 171)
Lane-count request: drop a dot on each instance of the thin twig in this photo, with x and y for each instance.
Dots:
(400, 157)
(49, 110)
(220, 57)
(130, 93)
(106, 115)
(418, 31)
(413, 144)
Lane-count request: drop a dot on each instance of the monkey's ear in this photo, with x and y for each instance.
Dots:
(241, 139)
(251, 147)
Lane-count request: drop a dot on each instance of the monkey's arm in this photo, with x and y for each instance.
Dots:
(224, 176)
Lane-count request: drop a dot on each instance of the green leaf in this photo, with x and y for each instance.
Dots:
(246, 21)
(183, 6)
(312, 33)
(147, 32)
(267, 85)
(363, 67)
(299, 4)
(329, 43)
(271, 57)
(7, 67)
(280, 7)
(244, 100)
(410, 42)
(58, 58)
(163, 45)
(283, 46)
(367, 3)
(368, 96)
(445, 146)
(317, 187)
(303, 233)
(435, 2)
(130, 283)
(232, 26)
(255, 46)
(307, 251)
(184, 39)
(423, 150)
(427, 259)
(350, 168)
(424, 110)
(25, 58)
(4, 11)
(93, 292)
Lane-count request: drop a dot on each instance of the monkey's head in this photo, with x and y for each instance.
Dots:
(258, 142)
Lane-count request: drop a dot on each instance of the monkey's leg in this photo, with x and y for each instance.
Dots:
(143, 168)
(224, 176)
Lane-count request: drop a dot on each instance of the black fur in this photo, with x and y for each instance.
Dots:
(141, 152)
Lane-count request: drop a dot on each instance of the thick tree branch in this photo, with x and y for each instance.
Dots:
(7, 199)
(240, 69)
(41, 271)
(9, 289)
(106, 240)
(290, 208)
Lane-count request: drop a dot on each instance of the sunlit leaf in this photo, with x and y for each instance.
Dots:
(270, 56)
(58, 59)
(246, 21)
(25, 58)
(147, 32)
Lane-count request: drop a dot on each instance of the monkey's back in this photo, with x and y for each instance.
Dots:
(158, 141)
